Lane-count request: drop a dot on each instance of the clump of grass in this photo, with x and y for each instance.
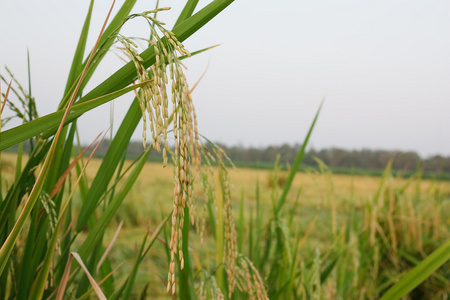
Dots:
(361, 253)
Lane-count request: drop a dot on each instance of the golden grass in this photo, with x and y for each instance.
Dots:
(154, 187)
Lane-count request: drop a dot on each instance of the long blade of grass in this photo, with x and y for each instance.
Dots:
(421, 272)
(1, 111)
(187, 11)
(63, 160)
(105, 43)
(109, 164)
(64, 280)
(77, 62)
(220, 231)
(256, 254)
(100, 283)
(32, 112)
(30, 109)
(108, 38)
(108, 249)
(5, 99)
(375, 203)
(47, 124)
(94, 284)
(296, 165)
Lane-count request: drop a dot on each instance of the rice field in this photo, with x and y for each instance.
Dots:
(321, 209)
(411, 217)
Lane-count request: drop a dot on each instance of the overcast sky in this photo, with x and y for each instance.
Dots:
(382, 66)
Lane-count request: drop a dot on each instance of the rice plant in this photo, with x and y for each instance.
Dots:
(48, 219)
(59, 227)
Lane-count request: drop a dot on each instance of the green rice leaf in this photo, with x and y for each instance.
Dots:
(187, 11)
(105, 43)
(296, 165)
(94, 284)
(77, 66)
(421, 272)
(49, 123)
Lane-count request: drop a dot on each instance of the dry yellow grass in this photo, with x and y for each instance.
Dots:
(317, 186)
(152, 195)
(155, 185)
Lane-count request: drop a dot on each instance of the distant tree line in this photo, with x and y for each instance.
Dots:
(333, 157)
(341, 158)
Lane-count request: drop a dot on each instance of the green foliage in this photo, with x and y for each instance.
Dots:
(59, 218)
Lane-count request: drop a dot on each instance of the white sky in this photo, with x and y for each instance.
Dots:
(383, 67)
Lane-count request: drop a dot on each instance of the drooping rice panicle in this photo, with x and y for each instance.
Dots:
(154, 103)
